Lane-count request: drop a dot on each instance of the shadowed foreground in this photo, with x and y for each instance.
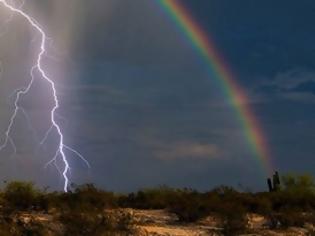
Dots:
(86, 210)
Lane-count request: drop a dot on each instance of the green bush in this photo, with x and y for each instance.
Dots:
(22, 196)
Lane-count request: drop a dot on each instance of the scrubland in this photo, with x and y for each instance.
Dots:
(87, 210)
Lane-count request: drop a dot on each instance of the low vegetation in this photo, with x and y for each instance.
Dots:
(87, 210)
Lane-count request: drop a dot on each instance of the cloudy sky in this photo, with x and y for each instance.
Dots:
(138, 103)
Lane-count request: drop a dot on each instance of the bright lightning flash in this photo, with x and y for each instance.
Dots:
(62, 147)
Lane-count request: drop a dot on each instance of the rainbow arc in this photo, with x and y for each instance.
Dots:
(234, 93)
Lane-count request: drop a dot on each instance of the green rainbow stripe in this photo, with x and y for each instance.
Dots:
(234, 93)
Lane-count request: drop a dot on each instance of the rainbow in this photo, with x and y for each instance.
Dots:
(232, 91)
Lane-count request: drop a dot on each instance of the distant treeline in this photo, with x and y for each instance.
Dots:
(292, 204)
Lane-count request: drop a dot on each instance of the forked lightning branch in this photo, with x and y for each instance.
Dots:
(61, 148)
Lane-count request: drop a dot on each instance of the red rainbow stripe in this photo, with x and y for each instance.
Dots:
(234, 93)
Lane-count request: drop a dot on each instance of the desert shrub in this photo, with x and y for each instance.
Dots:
(225, 191)
(257, 203)
(124, 221)
(22, 196)
(297, 193)
(288, 218)
(6, 229)
(298, 183)
(190, 206)
(292, 205)
(92, 223)
(292, 199)
(78, 223)
(154, 198)
(89, 193)
(84, 198)
(32, 230)
(11, 228)
(82, 211)
(234, 218)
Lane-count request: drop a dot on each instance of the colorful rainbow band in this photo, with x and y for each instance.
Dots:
(234, 93)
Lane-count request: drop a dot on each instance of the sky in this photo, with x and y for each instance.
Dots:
(138, 102)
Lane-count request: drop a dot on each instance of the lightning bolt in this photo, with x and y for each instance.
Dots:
(62, 148)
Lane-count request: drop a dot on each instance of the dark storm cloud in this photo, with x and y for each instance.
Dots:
(137, 102)
(306, 87)
(296, 85)
(113, 30)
